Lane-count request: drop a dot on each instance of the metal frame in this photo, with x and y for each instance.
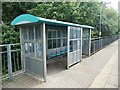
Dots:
(77, 51)
(22, 52)
(81, 40)
(44, 51)
(89, 42)
(86, 48)
(68, 46)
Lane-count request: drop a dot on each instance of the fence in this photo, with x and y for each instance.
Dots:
(99, 43)
(11, 60)
(11, 55)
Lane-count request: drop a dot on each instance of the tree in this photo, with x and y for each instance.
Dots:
(10, 11)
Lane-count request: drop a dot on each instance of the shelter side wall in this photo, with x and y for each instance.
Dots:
(31, 40)
(86, 42)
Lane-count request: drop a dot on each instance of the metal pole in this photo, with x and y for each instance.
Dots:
(89, 43)
(100, 18)
(100, 24)
(68, 46)
(44, 52)
(22, 51)
(81, 42)
(9, 62)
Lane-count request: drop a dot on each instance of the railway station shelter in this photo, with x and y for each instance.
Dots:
(44, 39)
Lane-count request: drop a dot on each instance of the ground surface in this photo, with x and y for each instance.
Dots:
(97, 71)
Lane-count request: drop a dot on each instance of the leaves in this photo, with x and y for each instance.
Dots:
(10, 35)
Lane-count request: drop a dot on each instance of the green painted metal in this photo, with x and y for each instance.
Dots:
(24, 17)
(27, 18)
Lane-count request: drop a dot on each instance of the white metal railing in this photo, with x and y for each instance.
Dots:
(99, 43)
(11, 60)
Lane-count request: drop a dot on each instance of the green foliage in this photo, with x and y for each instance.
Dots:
(109, 21)
(58, 10)
(10, 35)
(10, 10)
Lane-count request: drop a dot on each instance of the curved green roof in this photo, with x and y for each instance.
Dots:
(24, 18)
(27, 18)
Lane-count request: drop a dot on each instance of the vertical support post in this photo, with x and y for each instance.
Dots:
(9, 62)
(101, 43)
(100, 18)
(89, 43)
(94, 46)
(44, 52)
(34, 41)
(81, 41)
(22, 52)
(68, 46)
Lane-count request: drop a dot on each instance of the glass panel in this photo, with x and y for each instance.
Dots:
(49, 44)
(54, 43)
(71, 46)
(74, 34)
(31, 48)
(37, 33)
(26, 47)
(39, 50)
(78, 34)
(64, 42)
(31, 33)
(75, 43)
(49, 33)
(71, 34)
(64, 33)
(59, 43)
(54, 34)
(24, 33)
(58, 34)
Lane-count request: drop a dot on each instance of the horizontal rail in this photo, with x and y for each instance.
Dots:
(99, 43)
(10, 44)
(11, 60)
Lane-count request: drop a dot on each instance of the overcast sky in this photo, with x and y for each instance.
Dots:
(114, 3)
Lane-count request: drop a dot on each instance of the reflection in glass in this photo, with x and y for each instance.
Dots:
(31, 49)
(38, 51)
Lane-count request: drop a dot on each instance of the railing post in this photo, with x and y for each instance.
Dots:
(93, 46)
(101, 43)
(9, 62)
